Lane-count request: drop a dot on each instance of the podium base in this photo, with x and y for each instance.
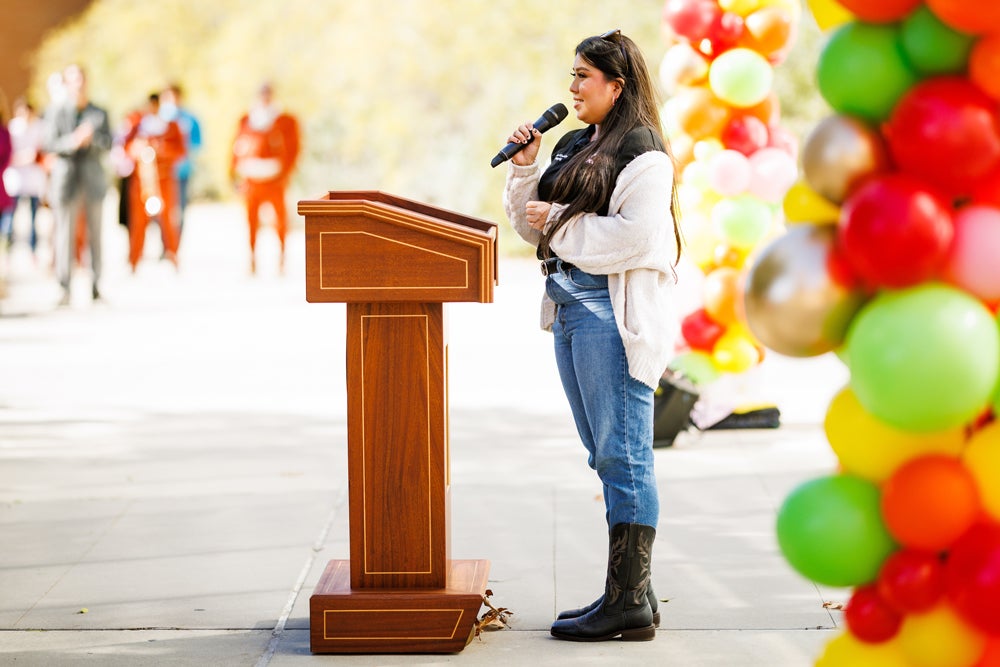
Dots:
(396, 620)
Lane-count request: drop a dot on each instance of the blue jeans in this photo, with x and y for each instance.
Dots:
(613, 411)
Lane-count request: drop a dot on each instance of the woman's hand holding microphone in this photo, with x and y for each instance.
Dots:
(537, 212)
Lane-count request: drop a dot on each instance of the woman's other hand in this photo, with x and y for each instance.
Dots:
(537, 213)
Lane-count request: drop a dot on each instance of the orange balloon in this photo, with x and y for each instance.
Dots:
(881, 11)
(768, 111)
(767, 30)
(699, 113)
(990, 656)
(972, 17)
(984, 65)
(722, 293)
(929, 502)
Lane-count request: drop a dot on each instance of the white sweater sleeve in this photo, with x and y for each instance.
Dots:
(521, 187)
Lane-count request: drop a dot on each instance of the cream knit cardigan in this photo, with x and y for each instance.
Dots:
(633, 245)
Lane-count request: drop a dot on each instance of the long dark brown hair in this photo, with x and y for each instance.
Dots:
(588, 179)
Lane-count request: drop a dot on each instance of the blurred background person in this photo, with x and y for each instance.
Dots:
(155, 146)
(78, 135)
(6, 150)
(172, 109)
(264, 154)
(25, 177)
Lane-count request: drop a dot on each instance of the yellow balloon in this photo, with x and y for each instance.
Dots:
(734, 352)
(829, 13)
(699, 242)
(982, 458)
(741, 7)
(939, 638)
(803, 204)
(846, 650)
(870, 448)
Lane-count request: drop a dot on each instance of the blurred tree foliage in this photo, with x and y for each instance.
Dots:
(408, 96)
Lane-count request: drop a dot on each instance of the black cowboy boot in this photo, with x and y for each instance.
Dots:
(654, 605)
(624, 610)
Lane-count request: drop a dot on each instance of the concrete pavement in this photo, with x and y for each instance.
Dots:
(173, 476)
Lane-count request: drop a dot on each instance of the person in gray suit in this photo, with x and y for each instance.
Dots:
(78, 134)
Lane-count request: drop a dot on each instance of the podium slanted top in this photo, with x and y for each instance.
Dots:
(370, 246)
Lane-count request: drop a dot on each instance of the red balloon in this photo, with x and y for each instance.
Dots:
(690, 19)
(724, 33)
(700, 331)
(880, 11)
(839, 268)
(972, 577)
(911, 581)
(987, 191)
(744, 133)
(946, 131)
(895, 231)
(869, 618)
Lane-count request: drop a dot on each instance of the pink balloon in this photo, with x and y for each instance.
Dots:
(779, 137)
(772, 173)
(973, 261)
(744, 133)
(729, 172)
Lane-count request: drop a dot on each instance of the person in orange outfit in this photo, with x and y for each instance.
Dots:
(264, 154)
(155, 145)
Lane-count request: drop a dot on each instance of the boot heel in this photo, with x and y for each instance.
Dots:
(645, 634)
(656, 619)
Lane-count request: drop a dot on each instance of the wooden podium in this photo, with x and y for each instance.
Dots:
(395, 262)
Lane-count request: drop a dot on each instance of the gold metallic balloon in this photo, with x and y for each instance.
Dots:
(793, 305)
(839, 153)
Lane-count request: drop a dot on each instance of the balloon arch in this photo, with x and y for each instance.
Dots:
(886, 251)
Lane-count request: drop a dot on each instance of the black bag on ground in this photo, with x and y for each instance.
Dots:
(672, 405)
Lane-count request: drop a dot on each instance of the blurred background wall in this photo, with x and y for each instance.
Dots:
(23, 25)
(408, 96)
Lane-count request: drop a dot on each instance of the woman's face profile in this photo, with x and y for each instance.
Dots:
(593, 93)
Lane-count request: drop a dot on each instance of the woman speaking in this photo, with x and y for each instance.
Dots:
(603, 218)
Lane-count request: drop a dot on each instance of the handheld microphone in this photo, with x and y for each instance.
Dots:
(554, 115)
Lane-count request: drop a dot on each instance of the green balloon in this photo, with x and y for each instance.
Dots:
(741, 221)
(695, 366)
(996, 392)
(924, 359)
(933, 47)
(831, 531)
(741, 77)
(862, 71)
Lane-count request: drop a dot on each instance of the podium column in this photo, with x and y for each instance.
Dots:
(398, 438)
